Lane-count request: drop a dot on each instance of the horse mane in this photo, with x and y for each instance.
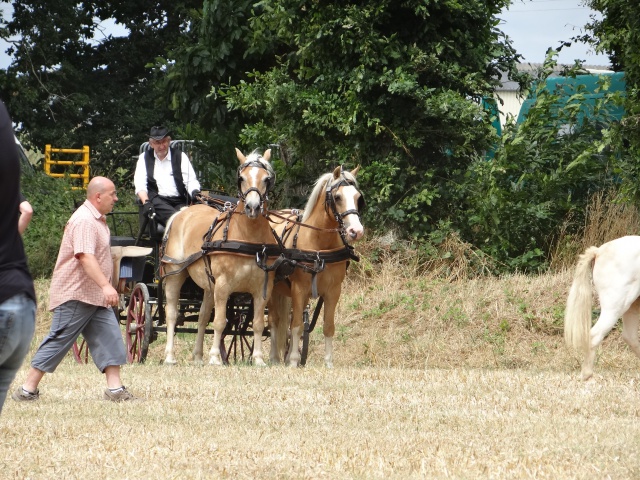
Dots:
(320, 188)
(256, 156)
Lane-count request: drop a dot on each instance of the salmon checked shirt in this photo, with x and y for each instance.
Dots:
(86, 232)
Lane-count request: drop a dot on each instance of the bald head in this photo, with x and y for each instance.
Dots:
(101, 192)
(98, 185)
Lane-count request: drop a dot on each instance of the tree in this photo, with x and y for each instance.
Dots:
(618, 35)
(391, 85)
(70, 84)
(544, 171)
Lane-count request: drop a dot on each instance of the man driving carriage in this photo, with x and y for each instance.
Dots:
(164, 179)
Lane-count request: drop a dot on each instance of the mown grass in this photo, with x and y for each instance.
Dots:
(434, 378)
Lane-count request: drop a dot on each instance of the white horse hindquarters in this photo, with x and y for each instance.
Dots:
(616, 274)
(616, 279)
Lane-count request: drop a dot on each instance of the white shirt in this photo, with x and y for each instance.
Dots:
(163, 174)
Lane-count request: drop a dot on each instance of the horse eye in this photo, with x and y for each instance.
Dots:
(338, 198)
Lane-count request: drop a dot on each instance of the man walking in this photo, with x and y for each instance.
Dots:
(81, 297)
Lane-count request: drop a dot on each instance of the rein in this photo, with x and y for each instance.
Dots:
(287, 259)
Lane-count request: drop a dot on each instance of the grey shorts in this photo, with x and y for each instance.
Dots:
(99, 327)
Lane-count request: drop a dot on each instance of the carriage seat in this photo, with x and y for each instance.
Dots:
(128, 264)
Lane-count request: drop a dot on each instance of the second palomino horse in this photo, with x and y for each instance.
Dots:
(226, 262)
(331, 221)
(615, 269)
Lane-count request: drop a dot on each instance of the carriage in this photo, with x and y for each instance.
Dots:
(140, 279)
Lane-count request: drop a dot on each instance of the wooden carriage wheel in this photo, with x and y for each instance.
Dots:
(138, 324)
(236, 344)
(81, 351)
(80, 347)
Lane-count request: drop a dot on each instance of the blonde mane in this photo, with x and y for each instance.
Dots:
(320, 188)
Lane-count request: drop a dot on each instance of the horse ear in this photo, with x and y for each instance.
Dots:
(267, 155)
(355, 171)
(240, 156)
(337, 172)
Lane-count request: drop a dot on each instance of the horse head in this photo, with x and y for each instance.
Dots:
(255, 179)
(345, 202)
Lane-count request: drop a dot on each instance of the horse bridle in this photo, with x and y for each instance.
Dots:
(263, 197)
(330, 201)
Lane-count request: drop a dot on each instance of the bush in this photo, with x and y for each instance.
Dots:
(53, 202)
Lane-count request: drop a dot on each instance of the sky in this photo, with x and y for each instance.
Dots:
(532, 25)
(536, 25)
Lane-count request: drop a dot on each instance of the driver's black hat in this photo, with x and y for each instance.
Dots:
(158, 133)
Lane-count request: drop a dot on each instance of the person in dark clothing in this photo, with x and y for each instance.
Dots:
(164, 179)
(17, 293)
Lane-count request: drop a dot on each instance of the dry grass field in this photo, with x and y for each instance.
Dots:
(435, 377)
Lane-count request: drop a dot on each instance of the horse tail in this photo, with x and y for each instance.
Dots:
(577, 316)
(280, 305)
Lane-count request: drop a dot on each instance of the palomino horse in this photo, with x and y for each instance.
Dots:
(330, 222)
(615, 269)
(228, 269)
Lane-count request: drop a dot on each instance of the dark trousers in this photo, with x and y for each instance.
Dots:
(166, 206)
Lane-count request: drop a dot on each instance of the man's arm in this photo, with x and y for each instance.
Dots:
(92, 268)
(140, 179)
(189, 178)
(26, 212)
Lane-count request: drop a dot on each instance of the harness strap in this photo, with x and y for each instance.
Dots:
(240, 248)
(186, 263)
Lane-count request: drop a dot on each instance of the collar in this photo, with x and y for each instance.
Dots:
(168, 157)
(94, 211)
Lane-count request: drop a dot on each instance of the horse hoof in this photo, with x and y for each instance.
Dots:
(170, 362)
(258, 362)
(329, 365)
(216, 362)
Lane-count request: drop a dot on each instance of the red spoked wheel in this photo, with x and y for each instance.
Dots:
(81, 351)
(138, 324)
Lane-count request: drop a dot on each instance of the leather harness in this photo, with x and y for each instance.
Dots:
(286, 259)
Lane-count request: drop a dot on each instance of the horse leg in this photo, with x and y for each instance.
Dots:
(606, 321)
(220, 295)
(172, 286)
(203, 320)
(279, 307)
(298, 302)
(258, 328)
(329, 327)
(630, 322)
(274, 326)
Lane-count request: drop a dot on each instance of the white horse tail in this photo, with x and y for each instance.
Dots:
(577, 316)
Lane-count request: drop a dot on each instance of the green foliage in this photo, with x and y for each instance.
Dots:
(543, 170)
(386, 85)
(617, 33)
(71, 85)
(53, 202)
